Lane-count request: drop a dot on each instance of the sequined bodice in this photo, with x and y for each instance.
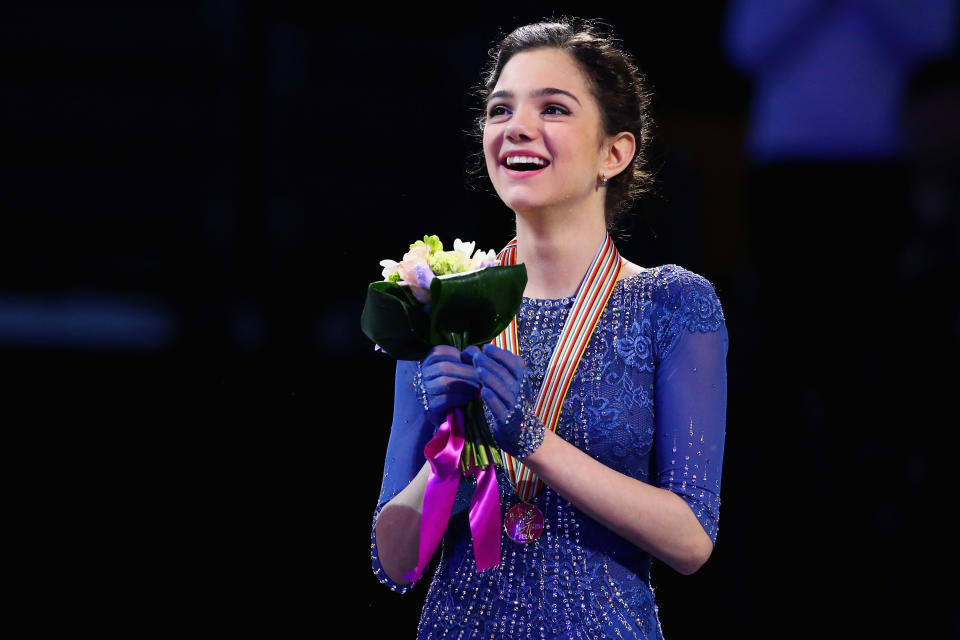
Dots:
(579, 579)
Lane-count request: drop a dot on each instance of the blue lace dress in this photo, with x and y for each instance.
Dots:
(648, 400)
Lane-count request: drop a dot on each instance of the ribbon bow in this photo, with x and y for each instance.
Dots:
(443, 453)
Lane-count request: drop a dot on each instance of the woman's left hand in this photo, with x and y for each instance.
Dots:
(513, 421)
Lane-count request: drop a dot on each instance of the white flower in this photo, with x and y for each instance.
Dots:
(389, 266)
(466, 248)
(481, 259)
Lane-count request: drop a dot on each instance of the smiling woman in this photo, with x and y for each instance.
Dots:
(607, 394)
(592, 72)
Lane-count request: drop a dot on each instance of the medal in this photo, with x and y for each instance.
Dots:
(524, 522)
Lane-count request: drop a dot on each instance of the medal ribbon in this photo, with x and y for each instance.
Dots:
(591, 298)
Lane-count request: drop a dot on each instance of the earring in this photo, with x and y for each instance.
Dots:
(603, 180)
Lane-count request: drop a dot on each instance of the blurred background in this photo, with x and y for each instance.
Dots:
(195, 196)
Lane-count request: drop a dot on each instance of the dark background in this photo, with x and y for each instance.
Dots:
(195, 197)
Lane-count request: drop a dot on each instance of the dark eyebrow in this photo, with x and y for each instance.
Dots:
(547, 91)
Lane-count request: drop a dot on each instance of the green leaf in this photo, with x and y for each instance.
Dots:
(478, 305)
(393, 319)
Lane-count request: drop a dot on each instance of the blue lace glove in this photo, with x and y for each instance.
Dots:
(446, 379)
(513, 422)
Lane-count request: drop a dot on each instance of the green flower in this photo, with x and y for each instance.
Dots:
(447, 262)
(431, 241)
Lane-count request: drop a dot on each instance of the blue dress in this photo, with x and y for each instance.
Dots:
(649, 400)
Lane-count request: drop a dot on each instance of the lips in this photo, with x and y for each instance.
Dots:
(513, 173)
(521, 152)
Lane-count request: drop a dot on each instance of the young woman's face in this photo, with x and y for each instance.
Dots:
(561, 125)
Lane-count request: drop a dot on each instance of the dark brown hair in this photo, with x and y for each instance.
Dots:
(618, 86)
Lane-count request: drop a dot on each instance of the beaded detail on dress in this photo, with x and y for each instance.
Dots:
(579, 579)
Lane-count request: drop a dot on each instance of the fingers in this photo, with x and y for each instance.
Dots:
(452, 377)
(445, 361)
(447, 370)
(446, 401)
(450, 385)
(497, 408)
(446, 373)
(504, 364)
(469, 353)
(446, 353)
(442, 353)
(508, 359)
(497, 378)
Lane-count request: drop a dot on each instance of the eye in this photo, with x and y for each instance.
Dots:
(494, 110)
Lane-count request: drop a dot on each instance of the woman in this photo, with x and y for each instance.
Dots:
(632, 470)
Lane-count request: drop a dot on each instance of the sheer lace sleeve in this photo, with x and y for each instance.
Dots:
(691, 396)
(409, 434)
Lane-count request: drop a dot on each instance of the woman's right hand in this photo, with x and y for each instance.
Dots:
(449, 380)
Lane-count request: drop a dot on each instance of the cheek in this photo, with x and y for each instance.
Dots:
(489, 152)
(575, 155)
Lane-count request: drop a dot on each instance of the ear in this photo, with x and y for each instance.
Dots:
(620, 150)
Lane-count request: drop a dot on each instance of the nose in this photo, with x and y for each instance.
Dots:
(520, 126)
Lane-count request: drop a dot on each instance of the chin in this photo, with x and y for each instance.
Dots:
(526, 207)
(522, 198)
(531, 202)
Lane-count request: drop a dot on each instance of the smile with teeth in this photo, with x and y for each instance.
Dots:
(525, 163)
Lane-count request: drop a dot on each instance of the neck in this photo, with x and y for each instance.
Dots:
(557, 252)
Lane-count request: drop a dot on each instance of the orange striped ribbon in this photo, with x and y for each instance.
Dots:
(591, 298)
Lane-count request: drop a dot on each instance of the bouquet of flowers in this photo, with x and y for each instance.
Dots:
(432, 297)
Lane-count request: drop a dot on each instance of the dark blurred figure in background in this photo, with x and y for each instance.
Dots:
(834, 186)
(827, 186)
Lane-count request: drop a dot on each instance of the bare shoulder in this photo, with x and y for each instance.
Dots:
(629, 269)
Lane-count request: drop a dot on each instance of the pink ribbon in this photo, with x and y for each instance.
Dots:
(443, 453)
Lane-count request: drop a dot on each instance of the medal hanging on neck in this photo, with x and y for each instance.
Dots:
(524, 522)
